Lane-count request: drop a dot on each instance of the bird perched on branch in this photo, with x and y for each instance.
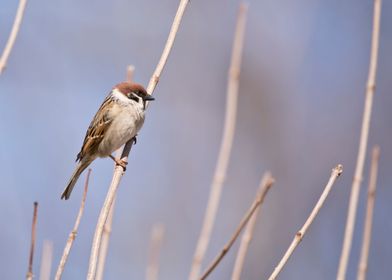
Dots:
(117, 121)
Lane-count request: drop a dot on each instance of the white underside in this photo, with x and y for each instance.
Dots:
(128, 118)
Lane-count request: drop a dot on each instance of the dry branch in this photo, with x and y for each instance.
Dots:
(46, 260)
(300, 234)
(370, 90)
(248, 233)
(103, 250)
(29, 275)
(157, 235)
(14, 32)
(226, 144)
(367, 230)
(255, 205)
(74, 232)
(107, 229)
(119, 171)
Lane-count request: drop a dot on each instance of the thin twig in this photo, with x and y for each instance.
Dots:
(29, 275)
(107, 229)
(46, 260)
(74, 231)
(367, 230)
(103, 251)
(248, 232)
(255, 205)
(226, 144)
(157, 235)
(130, 73)
(13, 34)
(370, 90)
(119, 171)
(300, 234)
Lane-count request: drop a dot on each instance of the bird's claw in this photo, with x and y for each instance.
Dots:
(119, 162)
(134, 139)
(122, 163)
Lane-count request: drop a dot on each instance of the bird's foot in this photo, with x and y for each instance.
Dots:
(120, 162)
(134, 139)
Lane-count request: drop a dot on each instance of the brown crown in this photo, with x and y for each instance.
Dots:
(127, 87)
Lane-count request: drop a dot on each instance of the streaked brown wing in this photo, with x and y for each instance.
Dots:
(96, 131)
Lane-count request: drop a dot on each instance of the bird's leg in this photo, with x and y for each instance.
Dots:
(119, 162)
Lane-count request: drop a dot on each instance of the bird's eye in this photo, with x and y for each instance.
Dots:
(132, 95)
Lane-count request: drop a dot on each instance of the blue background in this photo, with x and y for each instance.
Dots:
(302, 85)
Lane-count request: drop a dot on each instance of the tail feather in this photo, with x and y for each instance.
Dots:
(74, 178)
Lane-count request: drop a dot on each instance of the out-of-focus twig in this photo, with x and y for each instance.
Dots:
(74, 232)
(14, 32)
(251, 211)
(29, 275)
(226, 144)
(46, 260)
(367, 230)
(370, 90)
(119, 171)
(300, 234)
(157, 235)
(248, 232)
(130, 73)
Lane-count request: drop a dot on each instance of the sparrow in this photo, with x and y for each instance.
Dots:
(117, 121)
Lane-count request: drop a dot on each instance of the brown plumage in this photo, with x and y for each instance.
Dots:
(118, 120)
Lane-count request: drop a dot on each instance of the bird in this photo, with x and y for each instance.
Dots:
(117, 121)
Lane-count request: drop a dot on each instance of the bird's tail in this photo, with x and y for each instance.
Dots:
(82, 165)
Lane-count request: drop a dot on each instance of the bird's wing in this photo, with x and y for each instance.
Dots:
(96, 131)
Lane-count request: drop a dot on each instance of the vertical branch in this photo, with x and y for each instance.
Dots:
(300, 234)
(248, 215)
(367, 231)
(29, 275)
(13, 34)
(248, 233)
(168, 46)
(74, 232)
(370, 90)
(130, 73)
(107, 229)
(119, 171)
(226, 144)
(157, 235)
(46, 260)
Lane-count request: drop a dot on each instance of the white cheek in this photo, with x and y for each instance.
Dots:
(117, 94)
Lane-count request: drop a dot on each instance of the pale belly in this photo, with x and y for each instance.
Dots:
(125, 126)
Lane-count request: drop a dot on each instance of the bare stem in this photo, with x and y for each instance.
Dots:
(13, 34)
(29, 275)
(107, 229)
(130, 73)
(74, 232)
(157, 235)
(370, 90)
(300, 234)
(46, 260)
(248, 233)
(118, 172)
(255, 205)
(367, 230)
(226, 144)
(168, 46)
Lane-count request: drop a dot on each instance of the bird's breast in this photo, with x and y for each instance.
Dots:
(126, 123)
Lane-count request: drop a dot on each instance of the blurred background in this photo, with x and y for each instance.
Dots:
(302, 85)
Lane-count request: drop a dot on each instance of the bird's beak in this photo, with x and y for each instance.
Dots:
(148, 97)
